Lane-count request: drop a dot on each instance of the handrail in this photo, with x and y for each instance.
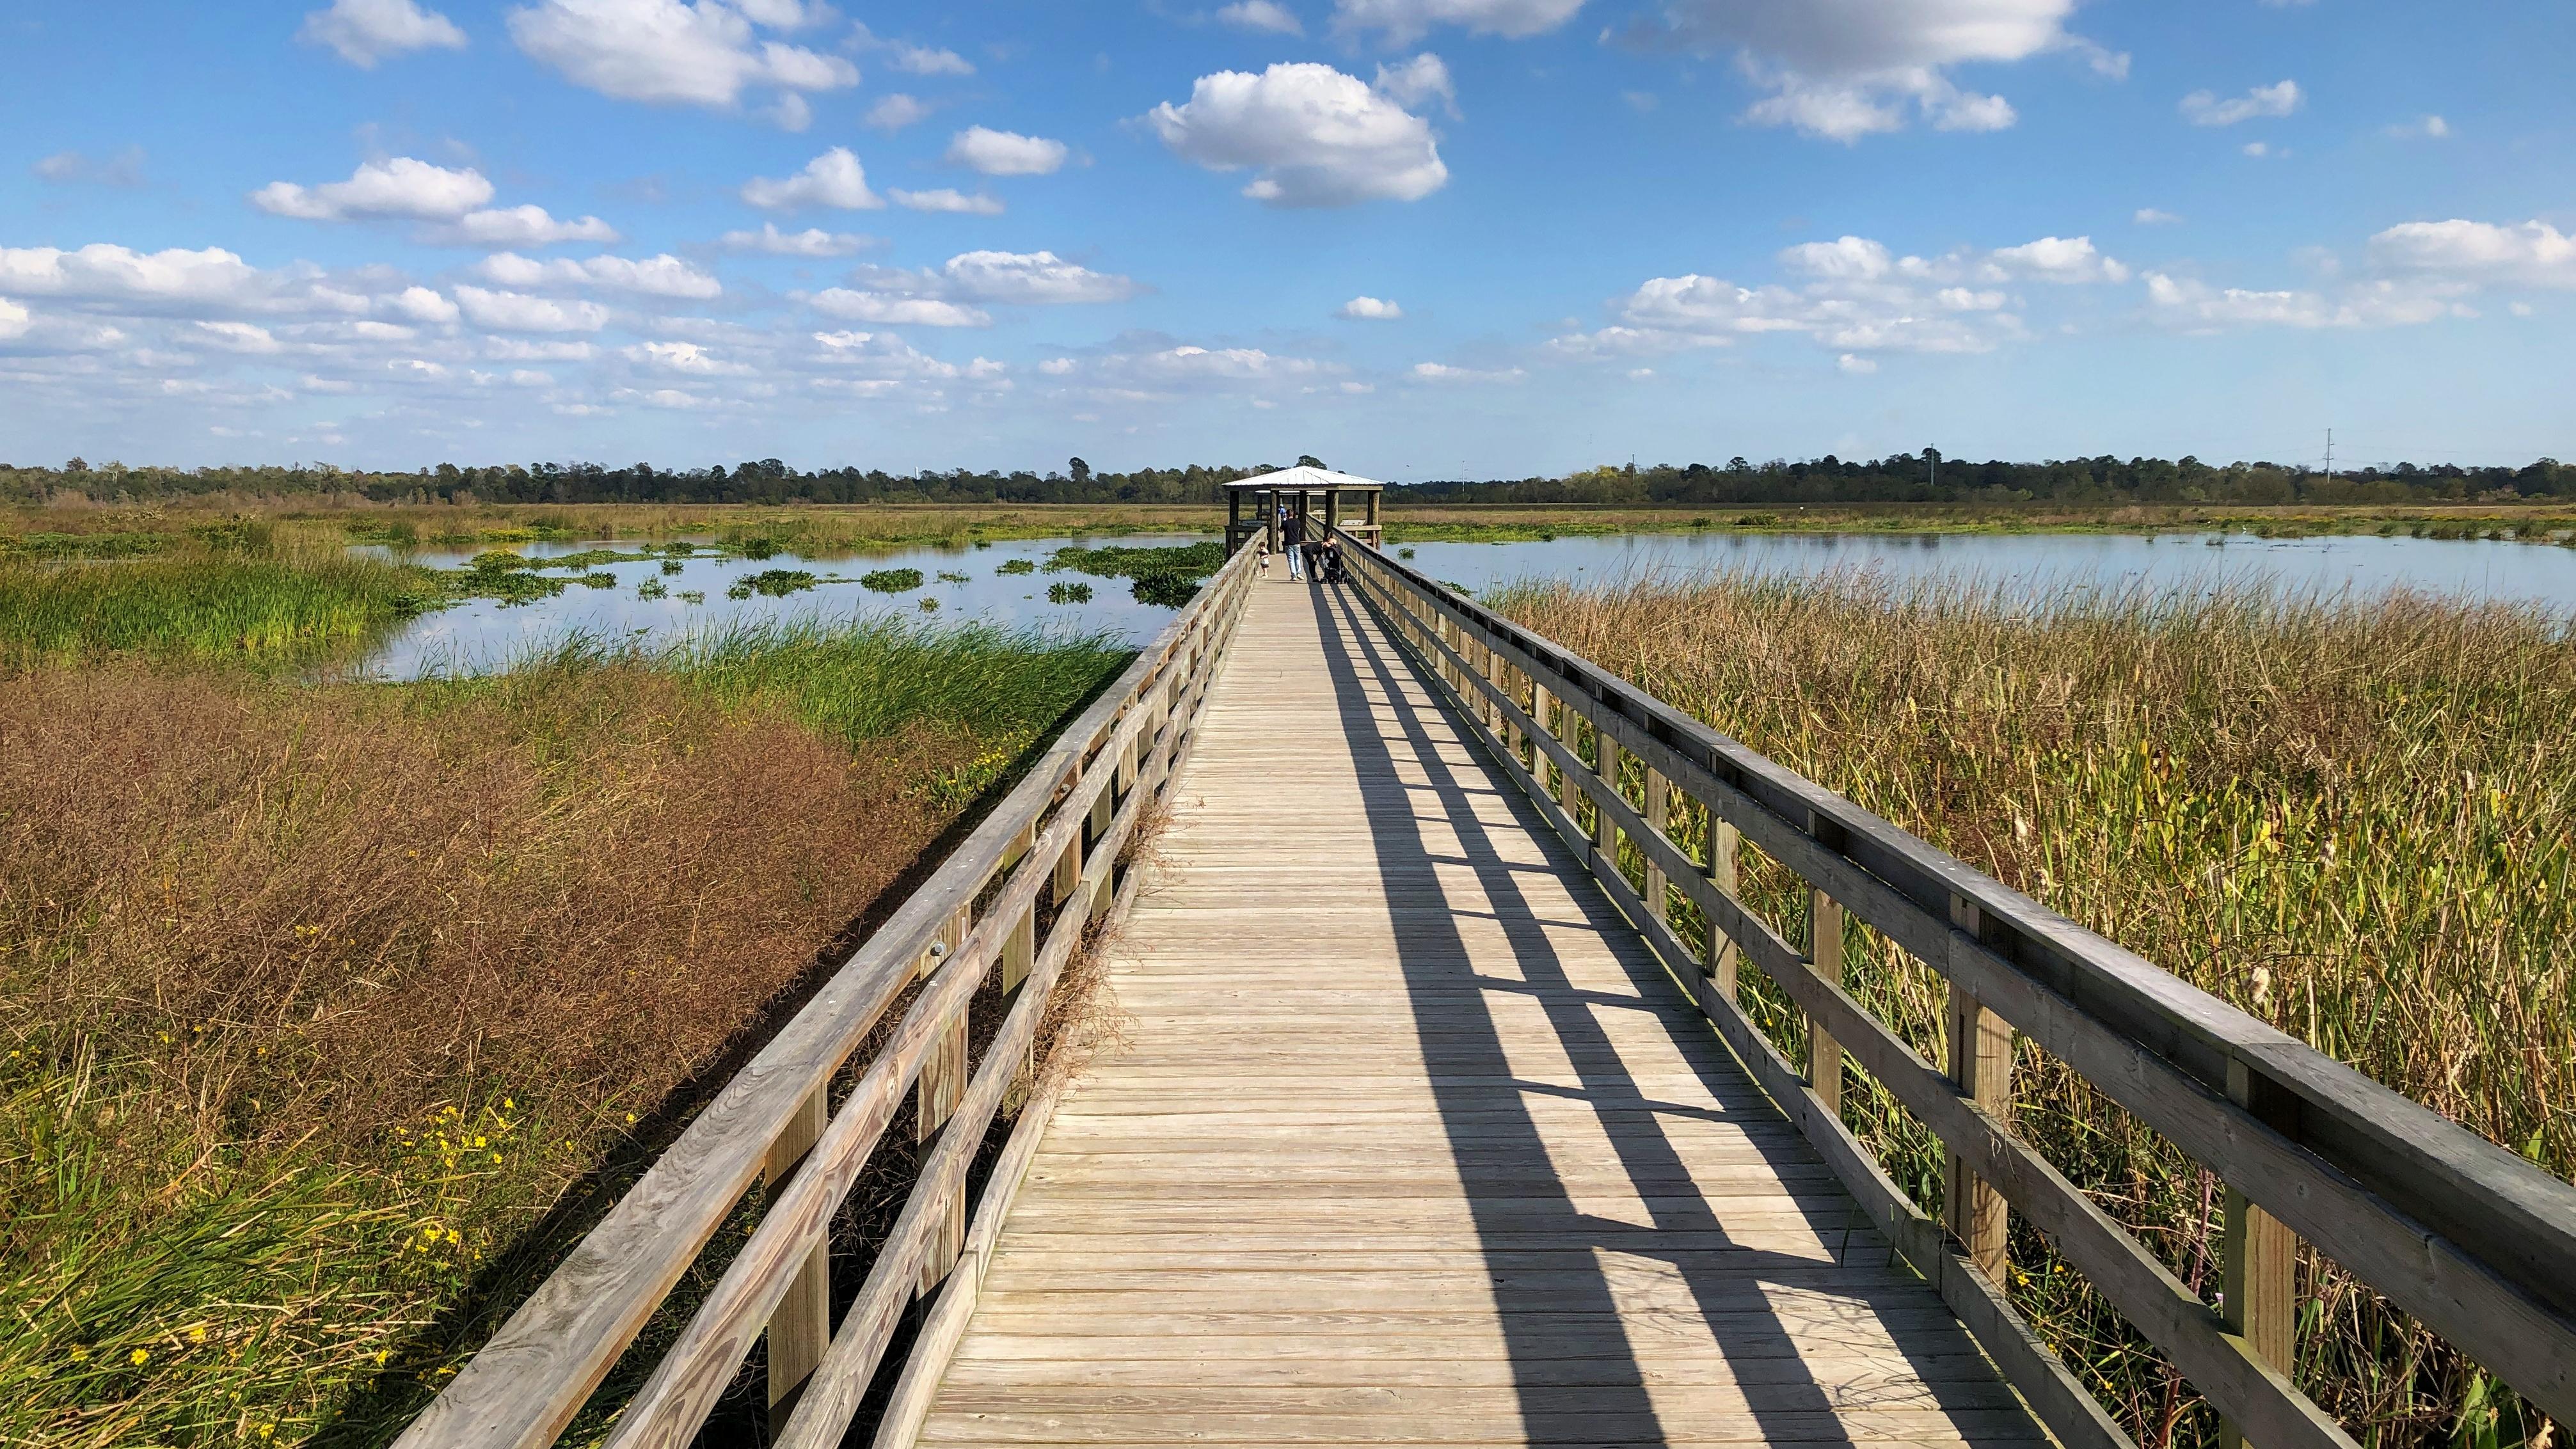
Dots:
(2474, 1241)
(1060, 832)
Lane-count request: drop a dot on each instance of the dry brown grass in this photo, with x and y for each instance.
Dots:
(348, 904)
(333, 1013)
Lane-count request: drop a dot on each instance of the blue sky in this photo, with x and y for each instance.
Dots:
(1411, 236)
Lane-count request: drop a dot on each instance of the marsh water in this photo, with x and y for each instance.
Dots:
(644, 603)
(2030, 565)
(967, 582)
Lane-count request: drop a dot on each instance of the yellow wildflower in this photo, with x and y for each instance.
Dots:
(140, 1356)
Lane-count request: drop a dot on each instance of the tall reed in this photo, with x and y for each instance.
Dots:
(332, 1012)
(2352, 817)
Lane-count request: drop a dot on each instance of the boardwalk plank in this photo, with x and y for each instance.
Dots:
(1404, 1138)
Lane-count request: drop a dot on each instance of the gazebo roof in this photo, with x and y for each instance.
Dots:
(1319, 479)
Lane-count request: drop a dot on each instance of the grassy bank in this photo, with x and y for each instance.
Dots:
(2356, 821)
(333, 1012)
(828, 532)
(2530, 523)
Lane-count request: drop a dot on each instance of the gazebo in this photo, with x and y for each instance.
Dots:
(1313, 493)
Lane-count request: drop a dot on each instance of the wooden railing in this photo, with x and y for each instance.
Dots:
(2473, 1241)
(1017, 895)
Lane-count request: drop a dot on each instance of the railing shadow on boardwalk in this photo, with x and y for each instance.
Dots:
(1566, 1307)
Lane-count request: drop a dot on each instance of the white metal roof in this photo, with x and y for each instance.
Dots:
(1295, 478)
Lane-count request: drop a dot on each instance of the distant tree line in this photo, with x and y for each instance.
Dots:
(1924, 477)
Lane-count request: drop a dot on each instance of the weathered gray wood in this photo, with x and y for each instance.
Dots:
(2076, 1419)
(1176, 1191)
(1980, 1056)
(1825, 956)
(2507, 1302)
(856, 1352)
(801, 1327)
(2136, 1283)
(851, 1362)
(533, 1375)
(927, 1366)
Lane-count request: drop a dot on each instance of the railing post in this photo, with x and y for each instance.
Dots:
(1825, 957)
(1723, 954)
(941, 1086)
(1538, 753)
(2258, 1254)
(1659, 805)
(1605, 770)
(800, 1327)
(1569, 734)
(1980, 1044)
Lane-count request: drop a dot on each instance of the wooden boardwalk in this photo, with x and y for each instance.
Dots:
(1408, 1139)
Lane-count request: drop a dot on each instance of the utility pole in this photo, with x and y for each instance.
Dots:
(2329, 455)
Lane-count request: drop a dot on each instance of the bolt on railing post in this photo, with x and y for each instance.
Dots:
(1980, 1046)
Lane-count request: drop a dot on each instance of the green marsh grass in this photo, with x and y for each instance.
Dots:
(2354, 818)
(201, 604)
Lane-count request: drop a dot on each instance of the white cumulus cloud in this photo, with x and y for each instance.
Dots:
(2531, 253)
(367, 31)
(887, 310)
(420, 304)
(947, 199)
(178, 282)
(1443, 372)
(2151, 216)
(1405, 21)
(929, 60)
(1040, 278)
(895, 111)
(2195, 306)
(658, 276)
(1004, 153)
(833, 179)
(1313, 135)
(1844, 69)
(1369, 309)
(2055, 259)
(401, 187)
(811, 242)
(519, 312)
(1854, 295)
(1266, 16)
(517, 226)
(703, 54)
(1418, 82)
(2204, 108)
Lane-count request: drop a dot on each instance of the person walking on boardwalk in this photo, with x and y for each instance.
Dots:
(1292, 540)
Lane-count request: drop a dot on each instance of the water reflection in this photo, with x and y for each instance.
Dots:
(644, 603)
(2035, 565)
